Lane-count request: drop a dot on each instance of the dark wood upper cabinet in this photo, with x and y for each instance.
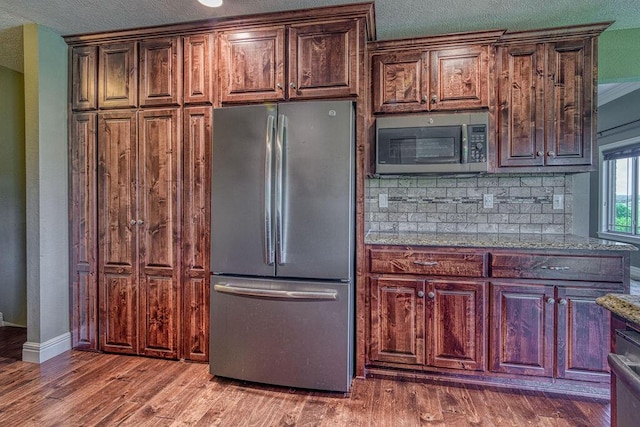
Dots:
(546, 100)
(448, 72)
(399, 82)
(459, 78)
(161, 72)
(252, 65)
(323, 60)
(118, 75)
(84, 77)
(198, 72)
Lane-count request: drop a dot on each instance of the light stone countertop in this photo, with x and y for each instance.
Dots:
(624, 305)
(490, 240)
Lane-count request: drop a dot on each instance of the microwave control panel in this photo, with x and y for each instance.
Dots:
(477, 144)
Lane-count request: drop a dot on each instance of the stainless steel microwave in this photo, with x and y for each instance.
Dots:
(432, 143)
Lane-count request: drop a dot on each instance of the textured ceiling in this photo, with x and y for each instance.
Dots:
(394, 18)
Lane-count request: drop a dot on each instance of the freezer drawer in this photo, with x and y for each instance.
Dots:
(289, 333)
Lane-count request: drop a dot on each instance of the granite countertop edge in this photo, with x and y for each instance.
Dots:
(624, 305)
(490, 240)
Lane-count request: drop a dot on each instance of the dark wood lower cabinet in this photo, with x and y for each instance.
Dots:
(529, 320)
(522, 325)
(442, 319)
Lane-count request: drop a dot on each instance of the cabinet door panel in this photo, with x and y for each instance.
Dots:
(459, 78)
(583, 334)
(198, 81)
(323, 60)
(569, 103)
(196, 232)
(252, 65)
(83, 232)
(399, 82)
(84, 77)
(118, 75)
(397, 321)
(520, 115)
(118, 269)
(160, 72)
(522, 322)
(456, 319)
(158, 228)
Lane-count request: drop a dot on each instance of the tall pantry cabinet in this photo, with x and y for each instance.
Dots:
(139, 147)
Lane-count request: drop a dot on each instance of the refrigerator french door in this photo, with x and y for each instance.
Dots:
(282, 244)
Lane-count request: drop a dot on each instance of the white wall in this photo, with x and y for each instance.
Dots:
(45, 79)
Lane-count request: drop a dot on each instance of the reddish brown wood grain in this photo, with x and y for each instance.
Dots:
(160, 67)
(198, 70)
(84, 77)
(118, 75)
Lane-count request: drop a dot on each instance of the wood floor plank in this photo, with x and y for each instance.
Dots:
(92, 389)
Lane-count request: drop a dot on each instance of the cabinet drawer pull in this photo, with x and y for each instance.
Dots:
(431, 295)
(550, 300)
(426, 263)
(420, 294)
(562, 301)
(554, 267)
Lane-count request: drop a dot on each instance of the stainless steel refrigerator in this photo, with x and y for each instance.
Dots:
(282, 244)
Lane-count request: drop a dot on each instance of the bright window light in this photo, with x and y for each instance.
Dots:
(211, 3)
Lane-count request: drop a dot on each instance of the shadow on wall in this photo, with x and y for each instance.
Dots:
(13, 304)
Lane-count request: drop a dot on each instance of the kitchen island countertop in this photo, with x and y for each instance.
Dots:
(495, 240)
(626, 306)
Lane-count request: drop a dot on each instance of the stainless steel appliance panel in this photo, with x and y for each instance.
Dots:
(625, 365)
(317, 190)
(290, 333)
(238, 200)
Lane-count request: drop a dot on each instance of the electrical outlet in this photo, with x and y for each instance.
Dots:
(558, 201)
(487, 201)
(383, 200)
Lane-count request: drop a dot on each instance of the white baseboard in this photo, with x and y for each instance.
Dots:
(35, 352)
(635, 273)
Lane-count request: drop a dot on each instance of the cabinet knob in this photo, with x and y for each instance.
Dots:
(550, 300)
(292, 85)
(132, 222)
(434, 99)
(420, 294)
(424, 99)
(562, 301)
(551, 154)
(431, 295)
(279, 85)
(539, 153)
(140, 222)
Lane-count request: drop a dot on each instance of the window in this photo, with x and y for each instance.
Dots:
(620, 203)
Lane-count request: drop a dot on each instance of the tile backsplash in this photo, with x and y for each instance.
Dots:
(522, 204)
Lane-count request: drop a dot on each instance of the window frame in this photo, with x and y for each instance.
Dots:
(605, 208)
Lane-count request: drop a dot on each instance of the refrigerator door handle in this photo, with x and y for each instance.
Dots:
(280, 172)
(276, 294)
(268, 233)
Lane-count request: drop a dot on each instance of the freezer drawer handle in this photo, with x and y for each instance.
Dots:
(270, 293)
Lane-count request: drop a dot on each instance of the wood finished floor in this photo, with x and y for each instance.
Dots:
(86, 389)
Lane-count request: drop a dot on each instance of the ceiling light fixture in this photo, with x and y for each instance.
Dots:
(211, 3)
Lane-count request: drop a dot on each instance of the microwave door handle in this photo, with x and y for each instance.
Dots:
(268, 161)
(465, 144)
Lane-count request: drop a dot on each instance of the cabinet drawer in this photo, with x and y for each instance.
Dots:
(563, 267)
(424, 262)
